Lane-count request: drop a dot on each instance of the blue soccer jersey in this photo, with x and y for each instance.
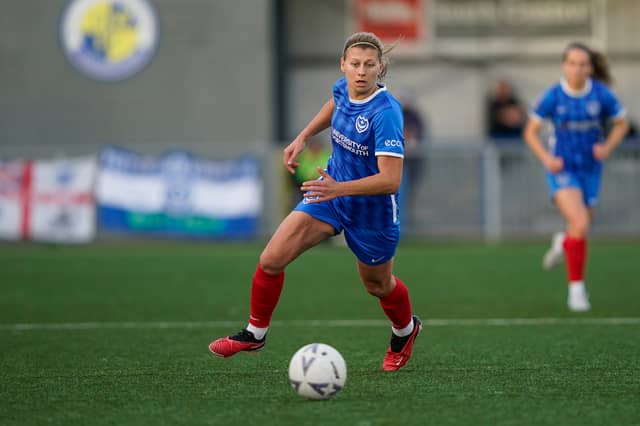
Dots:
(361, 131)
(577, 119)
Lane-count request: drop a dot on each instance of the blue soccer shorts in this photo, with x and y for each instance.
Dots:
(371, 246)
(587, 182)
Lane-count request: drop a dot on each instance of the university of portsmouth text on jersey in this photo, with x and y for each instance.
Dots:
(348, 144)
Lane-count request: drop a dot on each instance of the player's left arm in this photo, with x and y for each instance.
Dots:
(619, 130)
(386, 181)
(321, 121)
(612, 108)
(389, 151)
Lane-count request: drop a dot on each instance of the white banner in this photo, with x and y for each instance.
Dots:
(62, 208)
(178, 194)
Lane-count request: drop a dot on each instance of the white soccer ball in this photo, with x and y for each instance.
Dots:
(317, 371)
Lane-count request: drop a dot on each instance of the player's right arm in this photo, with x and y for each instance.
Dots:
(321, 121)
(532, 138)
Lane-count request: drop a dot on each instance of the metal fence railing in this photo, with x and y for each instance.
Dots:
(496, 192)
(472, 190)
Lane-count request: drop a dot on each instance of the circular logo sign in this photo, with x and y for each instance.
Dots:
(109, 40)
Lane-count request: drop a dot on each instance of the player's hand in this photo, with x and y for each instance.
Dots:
(291, 152)
(553, 164)
(601, 152)
(319, 190)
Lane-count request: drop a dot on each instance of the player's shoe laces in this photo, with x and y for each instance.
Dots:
(400, 348)
(555, 255)
(578, 301)
(244, 341)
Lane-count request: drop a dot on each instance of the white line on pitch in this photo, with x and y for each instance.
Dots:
(444, 322)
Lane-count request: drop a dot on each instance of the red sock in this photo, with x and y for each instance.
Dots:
(265, 293)
(397, 306)
(575, 252)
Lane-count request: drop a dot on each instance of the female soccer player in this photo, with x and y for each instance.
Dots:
(577, 106)
(357, 194)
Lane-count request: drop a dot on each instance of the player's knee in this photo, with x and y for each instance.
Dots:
(377, 289)
(579, 225)
(270, 264)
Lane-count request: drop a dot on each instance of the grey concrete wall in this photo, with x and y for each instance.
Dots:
(209, 82)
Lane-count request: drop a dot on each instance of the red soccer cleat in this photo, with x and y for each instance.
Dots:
(244, 341)
(396, 359)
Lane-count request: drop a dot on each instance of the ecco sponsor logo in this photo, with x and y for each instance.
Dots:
(393, 142)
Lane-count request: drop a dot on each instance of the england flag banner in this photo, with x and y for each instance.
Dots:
(14, 183)
(62, 207)
(178, 194)
(49, 201)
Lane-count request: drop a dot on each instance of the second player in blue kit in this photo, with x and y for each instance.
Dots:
(578, 107)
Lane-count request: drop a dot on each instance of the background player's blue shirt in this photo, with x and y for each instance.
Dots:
(578, 120)
(360, 131)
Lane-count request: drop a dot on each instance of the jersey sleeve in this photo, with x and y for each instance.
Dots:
(388, 133)
(543, 107)
(611, 107)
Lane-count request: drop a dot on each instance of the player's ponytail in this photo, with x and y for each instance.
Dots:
(600, 67)
(599, 63)
(364, 39)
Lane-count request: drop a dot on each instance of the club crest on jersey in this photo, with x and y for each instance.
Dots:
(362, 124)
(593, 108)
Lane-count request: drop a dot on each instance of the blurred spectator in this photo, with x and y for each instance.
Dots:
(505, 114)
(316, 154)
(633, 130)
(632, 133)
(415, 140)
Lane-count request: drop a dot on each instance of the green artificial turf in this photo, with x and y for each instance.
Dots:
(117, 334)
